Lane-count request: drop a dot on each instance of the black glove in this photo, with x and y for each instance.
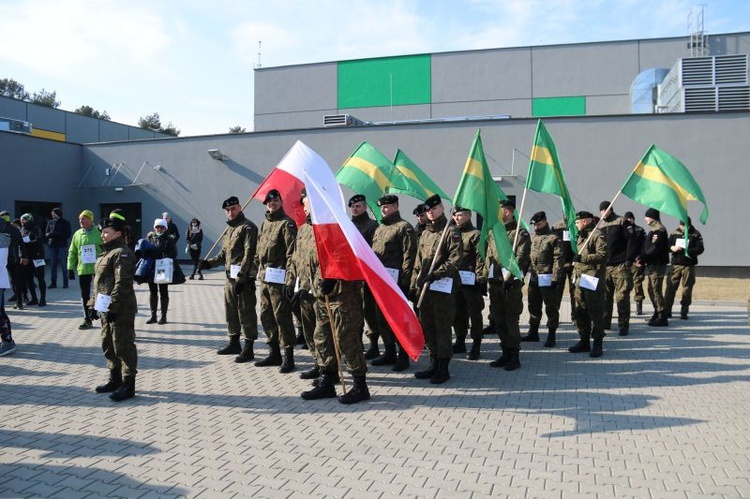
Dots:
(238, 287)
(577, 258)
(72, 275)
(482, 286)
(287, 292)
(299, 296)
(111, 317)
(203, 265)
(414, 295)
(327, 286)
(425, 279)
(508, 284)
(553, 285)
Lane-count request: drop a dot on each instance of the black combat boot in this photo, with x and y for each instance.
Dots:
(583, 345)
(500, 361)
(475, 348)
(402, 360)
(596, 350)
(125, 391)
(287, 364)
(388, 358)
(274, 357)
(430, 371)
(373, 351)
(312, 373)
(514, 361)
(115, 381)
(442, 374)
(668, 314)
(358, 393)
(533, 333)
(660, 321)
(653, 318)
(335, 378)
(460, 345)
(639, 307)
(232, 348)
(684, 312)
(323, 390)
(164, 307)
(247, 353)
(624, 330)
(489, 329)
(551, 341)
(299, 339)
(153, 301)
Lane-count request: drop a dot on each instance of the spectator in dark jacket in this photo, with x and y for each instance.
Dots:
(194, 236)
(32, 239)
(17, 260)
(171, 227)
(165, 248)
(10, 242)
(58, 232)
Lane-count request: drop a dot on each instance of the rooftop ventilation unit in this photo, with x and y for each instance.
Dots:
(11, 125)
(341, 120)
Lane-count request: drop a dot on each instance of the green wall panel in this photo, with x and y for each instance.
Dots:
(387, 81)
(558, 106)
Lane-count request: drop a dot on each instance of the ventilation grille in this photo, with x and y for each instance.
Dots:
(734, 98)
(697, 71)
(700, 99)
(341, 120)
(731, 69)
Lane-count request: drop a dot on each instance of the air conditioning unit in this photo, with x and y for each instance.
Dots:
(11, 125)
(341, 120)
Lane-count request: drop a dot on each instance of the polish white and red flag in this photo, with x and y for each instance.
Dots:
(290, 188)
(342, 251)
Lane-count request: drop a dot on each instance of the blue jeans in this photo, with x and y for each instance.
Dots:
(58, 257)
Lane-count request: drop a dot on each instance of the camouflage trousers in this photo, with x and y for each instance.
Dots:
(638, 278)
(549, 297)
(680, 275)
(347, 320)
(118, 344)
(436, 316)
(506, 306)
(239, 311)
(590, 311)
(304, 312)
(655, 276)
(618, 284)
(276, 315)
(468, 317)
(370, 308)
(568, 277)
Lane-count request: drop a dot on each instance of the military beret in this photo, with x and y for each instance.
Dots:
(653, 213)
(419, 209)
(507, 203)
(432, 201)
(272, 194)
(629, 215)
(357, 198)
(690, 222)
(538, 217)
(115, 223)
(604, 205)
(460, 208)
(230, 201)
(387, 199)
(583, 215)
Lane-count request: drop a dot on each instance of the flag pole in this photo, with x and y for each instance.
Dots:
(335, 344)
(225, 231)
(611, 204)
(434, 260)
(520, 218)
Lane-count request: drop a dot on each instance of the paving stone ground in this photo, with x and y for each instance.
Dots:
(665, 413)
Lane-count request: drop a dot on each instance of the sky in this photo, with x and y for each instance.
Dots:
(192, 61)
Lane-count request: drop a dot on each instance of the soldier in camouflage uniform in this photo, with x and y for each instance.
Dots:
(591, 262)
(114, 296)
(438, 308)
(366, 226)
(621, 253)
(683, 267)
(275, 249)
(636, 269)
(656, 257)
(237, 254)
(420, 214)
(299, 278)
(560, 229)
(344, 300)
(470, 296)
(506, 291)
(546, 274)
(395, 244)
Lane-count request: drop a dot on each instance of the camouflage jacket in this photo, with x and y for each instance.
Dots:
(493, 265)
(238, 248)
(471, 260)
(567, 251)
(593, 255)
(304, 262)
(546, 255)
(366, 226)
(276, 242)
(395, 244)
(113, 276)
(448, 255)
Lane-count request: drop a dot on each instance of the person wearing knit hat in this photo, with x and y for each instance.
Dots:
(5, 215)
(58, 232)
(656, 257)
(85, 247)
(114, 297)
(637, 269)
(32, 239)
(685, 245)
(164, 247)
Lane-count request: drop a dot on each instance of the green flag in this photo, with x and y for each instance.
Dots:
(370, 173)
(419, 184)
(660, 181)
(477, 191)
(546, 175)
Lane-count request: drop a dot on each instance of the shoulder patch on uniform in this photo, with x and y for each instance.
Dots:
(124, 255)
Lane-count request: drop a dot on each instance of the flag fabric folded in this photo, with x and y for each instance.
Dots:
(660, 181)
(419, 185)
(546, 176)
(477, 191)
(290, 188)
(368, 172)
(342, 251)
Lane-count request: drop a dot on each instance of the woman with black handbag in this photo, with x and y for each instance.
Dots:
(194, 236)
(164, 247)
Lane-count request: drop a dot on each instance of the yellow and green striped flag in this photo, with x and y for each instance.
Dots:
(368, 172)
(661, 182)
(546, 175)
(419, 184)
(477, 191)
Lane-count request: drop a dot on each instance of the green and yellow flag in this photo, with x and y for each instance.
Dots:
(419, 184)
(661, 182)
(478, 192)
(369, 173)
(546, 175)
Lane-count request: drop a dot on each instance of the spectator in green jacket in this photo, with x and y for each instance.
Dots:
(85, 246)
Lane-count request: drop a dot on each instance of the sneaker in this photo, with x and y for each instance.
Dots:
(7, 348)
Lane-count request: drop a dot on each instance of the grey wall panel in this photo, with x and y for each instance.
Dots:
(287, 121)
(395, 113)
(303, 88)
(517, 108)
(661, 53)
(82, 129)
(608, 104)
(12, 108)
(46, 118)
(486, 75)
(109, 131)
